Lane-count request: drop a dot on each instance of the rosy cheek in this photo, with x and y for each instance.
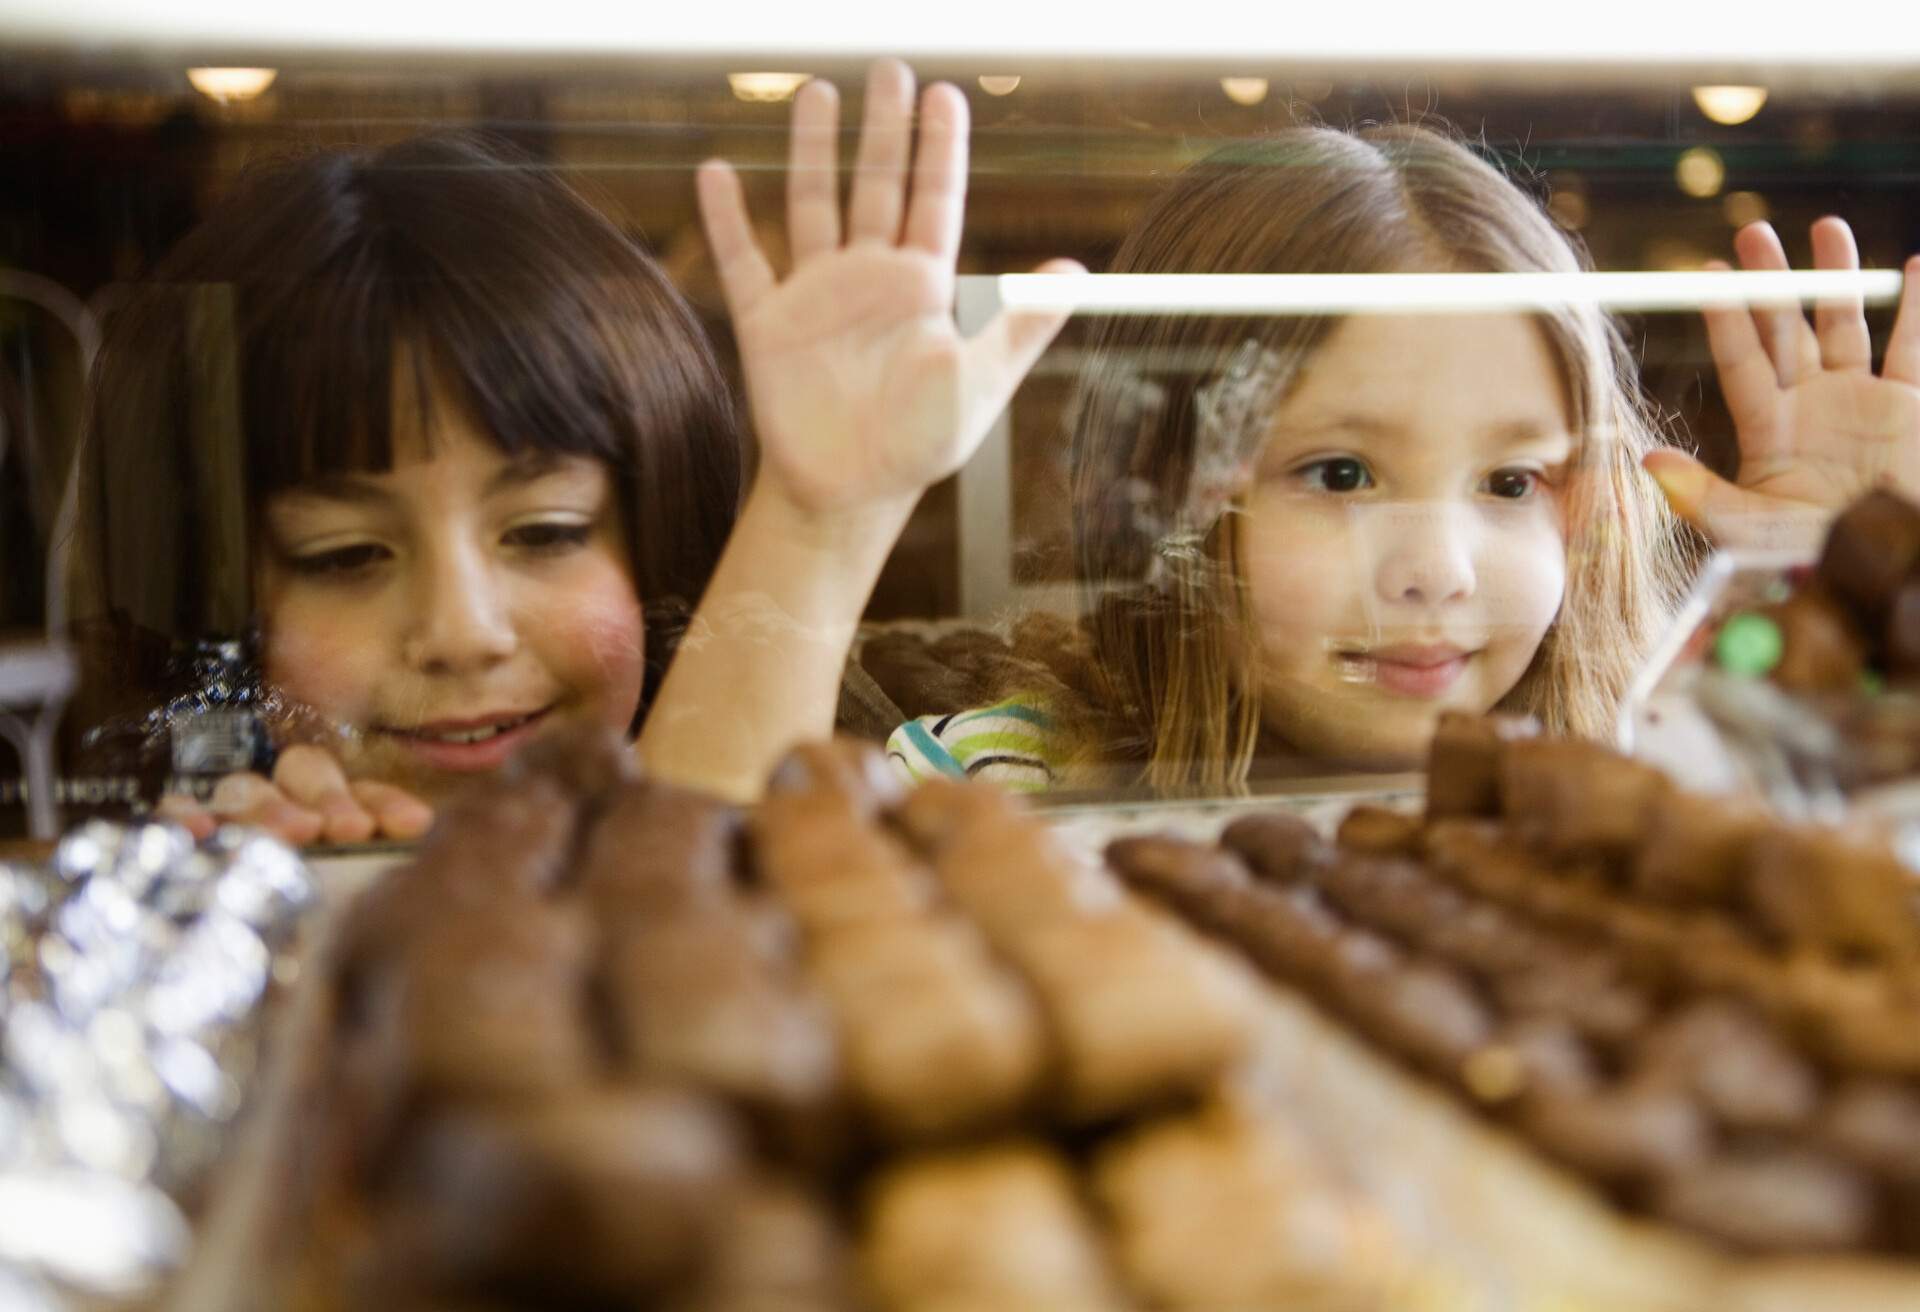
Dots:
(317, 662)
(597, 642)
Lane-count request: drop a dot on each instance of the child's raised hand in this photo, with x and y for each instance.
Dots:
(863, 391)
(1817, 428)
(308, 800)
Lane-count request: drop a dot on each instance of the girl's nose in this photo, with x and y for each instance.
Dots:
(1421, 552)
(462, 622)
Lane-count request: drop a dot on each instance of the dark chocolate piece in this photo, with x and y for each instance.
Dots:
(1695, 847)
(1195, 878)
(1575, 798)
(1871, 550)
(1463, 765)
(1424, 1012)
(1822, 650)
(1277, 845)
(1821, 888)
(611, 1194)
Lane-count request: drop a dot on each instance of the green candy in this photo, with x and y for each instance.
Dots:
(1749, 644)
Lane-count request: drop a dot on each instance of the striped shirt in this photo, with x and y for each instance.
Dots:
(1010, 744)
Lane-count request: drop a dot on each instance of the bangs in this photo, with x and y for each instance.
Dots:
(333, 363)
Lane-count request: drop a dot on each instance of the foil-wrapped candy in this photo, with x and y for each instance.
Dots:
(133, 971)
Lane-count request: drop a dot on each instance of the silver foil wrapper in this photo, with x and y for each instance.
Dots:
(134, 972)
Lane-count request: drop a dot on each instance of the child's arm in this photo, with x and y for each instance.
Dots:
(863, 394)
(308, 800)
(1816, 427)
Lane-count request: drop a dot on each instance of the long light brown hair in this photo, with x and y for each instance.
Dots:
(1168, 613)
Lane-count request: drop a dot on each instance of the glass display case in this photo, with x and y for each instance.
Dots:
(1351, 619)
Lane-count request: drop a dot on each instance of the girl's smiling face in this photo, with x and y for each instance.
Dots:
(1404, 542)
(454, 607)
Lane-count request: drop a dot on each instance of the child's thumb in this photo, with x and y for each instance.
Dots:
(1729, 515)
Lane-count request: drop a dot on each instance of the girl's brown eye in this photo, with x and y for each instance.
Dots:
(1513, 484)
(554, 536)
(1338, 475)
(342, 560)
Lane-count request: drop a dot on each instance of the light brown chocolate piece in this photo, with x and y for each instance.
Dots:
(1735, 1064)
(997, 1227)
(1224, 1209)
(1875, 1124)
(1631, 1133)
(937, 1038)
(1821, 650)
(1140, 1009)
(1380, 831)
(1015, 877)
(832, 868)
(856, 772)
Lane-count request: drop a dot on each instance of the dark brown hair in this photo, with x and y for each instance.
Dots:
(261, 354)
(1155, 539)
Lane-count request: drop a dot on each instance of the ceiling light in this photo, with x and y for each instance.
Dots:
(228, 84)
(995, 84)
(766, 88)
(1724, 104)
(1244, 90)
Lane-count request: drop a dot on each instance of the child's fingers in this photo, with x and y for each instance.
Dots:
(1903, 347)
(1746, 370)
(813, 187)
(939, 174)
(1727, 513)
(312, 778)
(399, 813)
(745, 275)
(249, 799)
(1790, 343)
(1000, 354)
(188, 814)
(886, 141)
(1840, 322)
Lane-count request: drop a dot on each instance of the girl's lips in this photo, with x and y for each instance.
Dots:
(1424, 672)
(469, 758)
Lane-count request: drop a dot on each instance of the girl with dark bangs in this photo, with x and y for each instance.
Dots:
(454, 458)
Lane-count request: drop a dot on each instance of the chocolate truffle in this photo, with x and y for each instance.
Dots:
(1871, 549)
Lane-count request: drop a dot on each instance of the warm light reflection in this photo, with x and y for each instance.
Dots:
(1729, 105)
(995, 84)
(1700, 172)
(230, 84)
(1244, 90)
(1414, 293)
(1744, 207)
(765, 88)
